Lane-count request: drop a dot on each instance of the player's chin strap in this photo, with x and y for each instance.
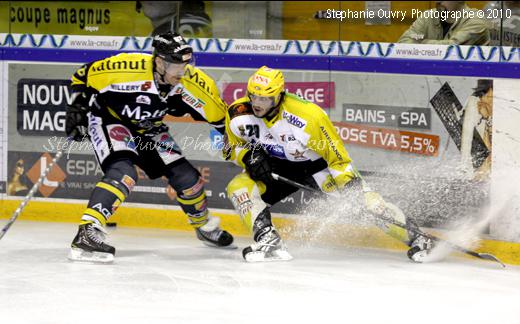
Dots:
(390, 220)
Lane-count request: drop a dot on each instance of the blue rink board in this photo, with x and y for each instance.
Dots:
(298, 62)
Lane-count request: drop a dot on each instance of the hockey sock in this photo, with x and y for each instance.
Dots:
(194, 203)
(246, 196)
(394, 231)
(262, 221)
(104, 200)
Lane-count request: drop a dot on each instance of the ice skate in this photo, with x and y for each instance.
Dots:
(420, 248)
(268, 247)
(89, 245)
(212, 235)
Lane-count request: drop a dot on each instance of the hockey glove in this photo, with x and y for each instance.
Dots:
(258, 166)
(76, 120)
(374, 202)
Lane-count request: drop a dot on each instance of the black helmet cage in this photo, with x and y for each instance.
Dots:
(172, 48)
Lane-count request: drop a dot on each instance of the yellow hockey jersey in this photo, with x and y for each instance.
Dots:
(123, 89)
(300, 133)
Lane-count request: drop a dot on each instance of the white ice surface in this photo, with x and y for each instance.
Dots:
(164, 276)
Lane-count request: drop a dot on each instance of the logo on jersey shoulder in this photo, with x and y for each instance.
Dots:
(193, 75)
(125, 87)
(190, 99)
(146, 86)
(293, 120)
(145, 100)
(108, 65)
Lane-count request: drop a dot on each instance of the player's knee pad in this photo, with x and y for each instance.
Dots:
(194, 195)
(122, 175)
(189, 186)
(111, 191)
(246, 196)
(185, 179)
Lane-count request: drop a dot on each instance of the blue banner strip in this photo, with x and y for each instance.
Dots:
(426, 67)
(298, 62)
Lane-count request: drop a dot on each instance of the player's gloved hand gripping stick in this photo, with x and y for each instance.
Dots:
(385, 218)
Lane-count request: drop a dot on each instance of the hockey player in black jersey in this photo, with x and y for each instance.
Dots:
(119, 104)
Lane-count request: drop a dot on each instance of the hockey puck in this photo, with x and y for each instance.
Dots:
(111, 224)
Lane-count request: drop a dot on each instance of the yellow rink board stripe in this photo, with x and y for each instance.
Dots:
(337, 235)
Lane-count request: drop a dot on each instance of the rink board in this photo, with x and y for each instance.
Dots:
(344, 235)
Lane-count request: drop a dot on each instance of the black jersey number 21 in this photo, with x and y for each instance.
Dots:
(253, 130)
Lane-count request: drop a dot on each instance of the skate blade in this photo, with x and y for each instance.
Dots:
(85, 256)
(260, 256)
(232, 246)
(420, 257)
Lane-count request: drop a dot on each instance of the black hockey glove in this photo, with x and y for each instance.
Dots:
(258, 165)
(76, 120)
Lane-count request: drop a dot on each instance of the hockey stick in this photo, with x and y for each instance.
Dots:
(485, 256)
(31, 193)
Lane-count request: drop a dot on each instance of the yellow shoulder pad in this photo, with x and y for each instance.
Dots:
(121, 68)
(301, 107)
(204, 88)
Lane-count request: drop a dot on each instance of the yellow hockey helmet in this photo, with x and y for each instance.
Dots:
(266, 82)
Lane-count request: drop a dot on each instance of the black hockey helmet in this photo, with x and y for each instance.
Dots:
(172, 48)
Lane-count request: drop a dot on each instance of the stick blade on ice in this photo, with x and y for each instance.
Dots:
(491, 257)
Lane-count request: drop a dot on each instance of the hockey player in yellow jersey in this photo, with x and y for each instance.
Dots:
(273, 131)
(119, 104)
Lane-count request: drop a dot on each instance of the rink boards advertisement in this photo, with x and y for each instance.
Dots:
(407, 133)
(76, 175)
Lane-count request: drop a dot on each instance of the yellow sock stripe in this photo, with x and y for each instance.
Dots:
(198, 221)
(198, 224)
(120, 195)
(97, 215)
(192, 201)
(199, 218)
(85, 219)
